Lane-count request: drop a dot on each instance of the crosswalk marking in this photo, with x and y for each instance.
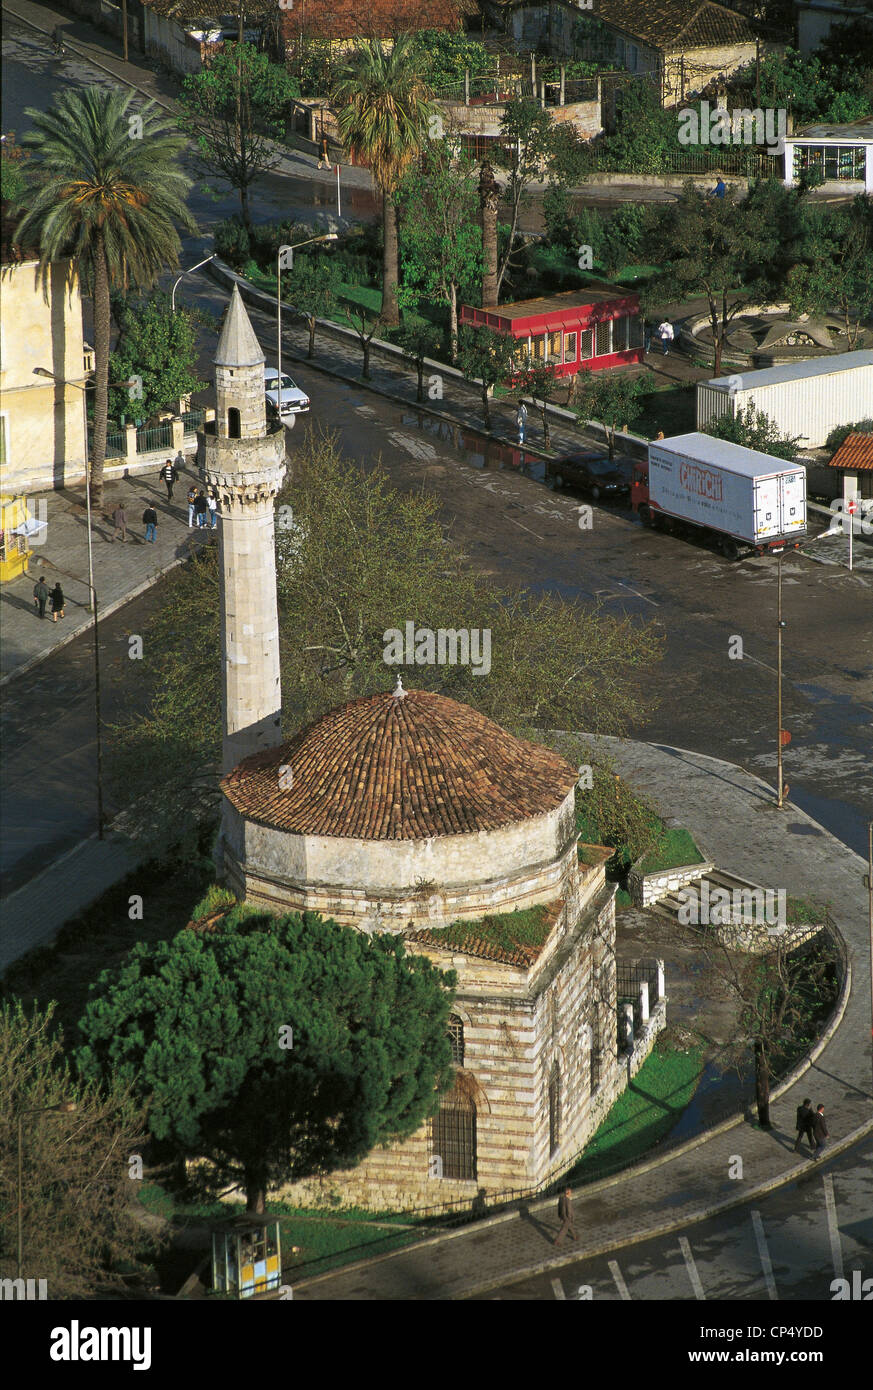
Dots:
(692, 1269)
(833, 1228)
(764, 1253)
(558, 1289)
(619, 1280)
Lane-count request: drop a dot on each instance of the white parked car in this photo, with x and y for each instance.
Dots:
(293, 399)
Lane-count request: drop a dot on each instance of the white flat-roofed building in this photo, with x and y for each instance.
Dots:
(843, 154)
(806, 399)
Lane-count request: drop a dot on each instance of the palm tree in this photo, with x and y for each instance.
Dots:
(383, 115)
(489, 197)
(107, 193)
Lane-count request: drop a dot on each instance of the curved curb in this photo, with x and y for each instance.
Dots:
(667, 1227)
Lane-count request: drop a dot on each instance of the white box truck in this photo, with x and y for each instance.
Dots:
(744, 501)
(805, 399)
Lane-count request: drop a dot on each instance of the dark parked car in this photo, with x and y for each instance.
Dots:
(594, 473)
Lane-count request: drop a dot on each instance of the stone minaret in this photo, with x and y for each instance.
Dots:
(244, 460)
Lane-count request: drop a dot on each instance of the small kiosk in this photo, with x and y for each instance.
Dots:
(246, 1256)
(597, 326)
(16, 527)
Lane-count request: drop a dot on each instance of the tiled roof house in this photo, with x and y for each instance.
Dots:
(684, 43)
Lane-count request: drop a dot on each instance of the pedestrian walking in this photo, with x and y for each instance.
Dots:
(179, 462)
(201, 509)
(40, 595)
(719, 190)
(168, 474)
(324, 156)
(647, 335)
(150, 521)
(521, 420)
(119, 517)
(665, 333)
(58, 602)
(565, 1216)
(819, 1131)
(192, 498)
(212, 499)
(804, 1124)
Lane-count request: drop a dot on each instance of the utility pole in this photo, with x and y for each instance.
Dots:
(870, 917)
(779, 626)
(758, 73)
(124, 28)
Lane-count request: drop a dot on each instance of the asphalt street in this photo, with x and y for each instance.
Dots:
(789, 1246)
(517, 530)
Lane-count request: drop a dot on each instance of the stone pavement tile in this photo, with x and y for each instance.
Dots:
(121, 569)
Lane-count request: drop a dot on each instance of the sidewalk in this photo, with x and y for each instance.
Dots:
(733, 815)
(121, 569)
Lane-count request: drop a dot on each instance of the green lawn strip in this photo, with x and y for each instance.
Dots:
(330, 1238)
(676, 848)
(509, 930)
(99, 937)
(643, 1114)
(673, 410)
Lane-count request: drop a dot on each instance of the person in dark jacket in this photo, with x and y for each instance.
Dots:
(168, 475)
(565, 1216)
(201, 510)
(150, 522)
(819, 1130)
(804, 1123)
(119, 517)
(58, 603)
(40, 595)
(192, 498)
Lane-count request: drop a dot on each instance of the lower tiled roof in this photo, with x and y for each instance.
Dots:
(477, 938)
(855, 453)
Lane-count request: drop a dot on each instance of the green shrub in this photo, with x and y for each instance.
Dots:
(232, 242)
(842, 432)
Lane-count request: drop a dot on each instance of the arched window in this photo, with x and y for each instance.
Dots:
(453, 1137)
(594, 1056)
(554, 1109)
(233, 428)
(456, 1038)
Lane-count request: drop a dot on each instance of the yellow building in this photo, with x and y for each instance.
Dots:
(43, 436)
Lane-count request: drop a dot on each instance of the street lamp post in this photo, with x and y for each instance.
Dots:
(779, 627)
(65, 1107)
(285, 261)
(188, 272)
(870, 918)
(92, 600)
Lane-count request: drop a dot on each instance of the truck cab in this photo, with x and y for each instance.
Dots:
(640, 485)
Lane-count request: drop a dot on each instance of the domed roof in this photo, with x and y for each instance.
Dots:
(399, 766)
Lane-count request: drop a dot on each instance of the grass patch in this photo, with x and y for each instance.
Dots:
(623, 898)
(676, 848)
(99, 938)
(510, 930)
(673, 410)
(644, 1114)
(331, 1238)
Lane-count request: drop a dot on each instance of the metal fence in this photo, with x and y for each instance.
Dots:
(192, 420)
(151, 438)
(629, 975)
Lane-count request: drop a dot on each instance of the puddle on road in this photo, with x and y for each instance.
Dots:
(479, 452)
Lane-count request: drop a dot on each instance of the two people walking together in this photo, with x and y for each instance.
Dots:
(811, 1123)
(202, 510)
(43, 595)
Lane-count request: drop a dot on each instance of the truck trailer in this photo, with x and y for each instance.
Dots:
(745, 502)
(806, 399)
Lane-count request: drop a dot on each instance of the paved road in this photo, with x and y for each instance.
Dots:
(813, 1231)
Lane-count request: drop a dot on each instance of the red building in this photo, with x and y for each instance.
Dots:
(598, 326)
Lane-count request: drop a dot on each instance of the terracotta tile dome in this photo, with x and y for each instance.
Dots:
(399, 766)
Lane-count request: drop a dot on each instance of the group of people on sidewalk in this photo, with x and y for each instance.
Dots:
(43, 595)
(812, 1124)
(202, 509)
(809, 1122)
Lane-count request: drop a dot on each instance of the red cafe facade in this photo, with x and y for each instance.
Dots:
(597, 326)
